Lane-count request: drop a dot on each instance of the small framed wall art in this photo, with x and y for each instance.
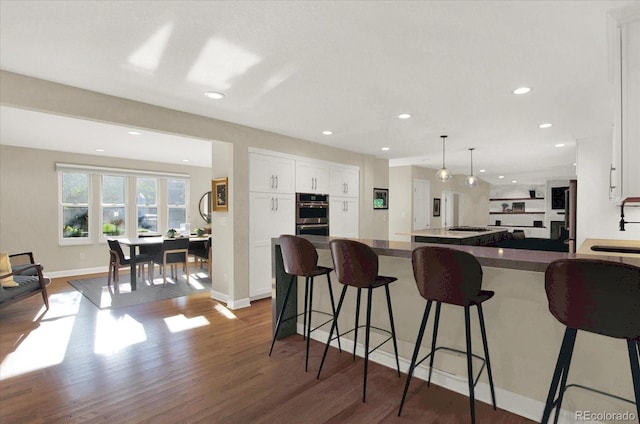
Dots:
(436, 207)
(219, 189)
(380, 198)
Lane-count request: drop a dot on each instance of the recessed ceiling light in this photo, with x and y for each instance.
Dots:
(404, 116)
(483, 170)
(134, 132)
(521, 90)
(501, 176)
(185, 160)
(575, 164)
(560, 145)
(99, 150)
(214, 95)
(545, 125)
(514, 181)
(327, 132)
(385, 149)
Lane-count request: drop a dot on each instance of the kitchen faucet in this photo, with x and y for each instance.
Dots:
(622, 221)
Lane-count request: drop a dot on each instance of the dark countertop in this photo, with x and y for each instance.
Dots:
(519, 259)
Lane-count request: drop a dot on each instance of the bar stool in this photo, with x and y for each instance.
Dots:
(598, 296)
(301, 260)
(356, 265)
(453, 277)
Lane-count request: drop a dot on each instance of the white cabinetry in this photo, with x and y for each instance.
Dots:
(271, 173)
(625, 167)
(271, 213)
(343, 217)
(312, 177)
(344, 201)
(344, 181)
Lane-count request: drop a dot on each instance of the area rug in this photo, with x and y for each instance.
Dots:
(103, 296)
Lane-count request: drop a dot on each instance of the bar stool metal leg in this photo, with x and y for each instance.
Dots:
(355, 334)
(333, 309)
(416, 350)
(467, 327)
(333, 326)
(561, 371)
(433, 341)
(393, 328)
(308, 328)
(284, 305)
(486, 354)
(306, 303)
(366, 343)
(634, 354)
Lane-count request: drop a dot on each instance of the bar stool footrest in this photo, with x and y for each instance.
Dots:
(462, 352)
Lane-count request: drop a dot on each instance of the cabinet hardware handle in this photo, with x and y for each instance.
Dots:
(272, 181)
(346, 187)
(276, 181)
(611, 186)
(276, 203)
(272, 203)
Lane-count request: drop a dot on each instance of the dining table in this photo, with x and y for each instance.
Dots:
(135, 243)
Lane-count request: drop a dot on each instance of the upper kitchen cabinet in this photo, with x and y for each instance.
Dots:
(312, 177)
(271, 173)
(625, 67)
(345, 181)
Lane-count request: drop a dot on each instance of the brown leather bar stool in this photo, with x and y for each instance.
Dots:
(356, 265)
(301, 260)
(454, 277)
(598, 296)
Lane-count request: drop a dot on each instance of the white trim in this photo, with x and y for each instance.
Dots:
(219, 296)
(505, 399)
(262, 294)
(303, 158)
(238, 304)
(70, 167)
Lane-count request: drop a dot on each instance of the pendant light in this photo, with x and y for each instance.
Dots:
(443, 173)
(471, 180)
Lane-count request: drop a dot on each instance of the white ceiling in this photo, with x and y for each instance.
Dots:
(301, 67)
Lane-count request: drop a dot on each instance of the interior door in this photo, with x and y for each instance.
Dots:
(451, 209)
(421, 207)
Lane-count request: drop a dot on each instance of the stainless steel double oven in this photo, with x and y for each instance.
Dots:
(312, 214)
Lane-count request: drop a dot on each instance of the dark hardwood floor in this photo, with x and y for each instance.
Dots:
(189, 360)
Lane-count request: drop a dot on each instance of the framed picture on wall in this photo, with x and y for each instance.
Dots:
(436, 207)
(220, 194)
(380, 198)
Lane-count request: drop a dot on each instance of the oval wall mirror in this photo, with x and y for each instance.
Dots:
(205, 207)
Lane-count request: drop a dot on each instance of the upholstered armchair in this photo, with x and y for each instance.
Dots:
(20, 278)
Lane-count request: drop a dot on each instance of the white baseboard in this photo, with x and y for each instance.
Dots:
(221, 297)
(261, 295)
(238, 304)
(74, 272)
(505, 399)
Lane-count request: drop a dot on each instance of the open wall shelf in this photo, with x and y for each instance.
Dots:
(516, 198)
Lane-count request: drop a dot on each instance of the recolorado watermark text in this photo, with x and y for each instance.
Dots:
(605, 416)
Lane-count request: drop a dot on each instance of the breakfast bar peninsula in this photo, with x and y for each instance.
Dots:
(523, 337)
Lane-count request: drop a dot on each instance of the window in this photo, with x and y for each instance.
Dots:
(113, 205)
(75, 205)
(176, 202)
(147, 202)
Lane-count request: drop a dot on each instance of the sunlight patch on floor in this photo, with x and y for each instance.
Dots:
(224, 311)
(179, 323)
(116, 333)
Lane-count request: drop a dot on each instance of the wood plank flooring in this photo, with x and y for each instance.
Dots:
(78, 364)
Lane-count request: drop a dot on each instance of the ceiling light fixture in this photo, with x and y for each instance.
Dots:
(545, 125)
(404, 116)
(185, 160)
(385, 149)
(483, 170)
(134, 132)
(214, 95)
(443, 173)
(471, 180)
(99, 150)
(521, 90)
(501, 176)
(560, 145)
(327, 132)
(514, 181)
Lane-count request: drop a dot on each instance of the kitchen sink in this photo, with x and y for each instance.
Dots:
(616, 249)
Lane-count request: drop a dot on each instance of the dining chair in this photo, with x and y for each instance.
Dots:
(117, 260)
(174, 252)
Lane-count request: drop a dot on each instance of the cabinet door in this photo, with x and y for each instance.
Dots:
(260, 176)
(312, 177)
(270, 215)
(343, 217)
(284, 170)
(631, 109)
(344, 181)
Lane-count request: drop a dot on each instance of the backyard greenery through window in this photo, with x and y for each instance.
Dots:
(113, 205)
(75, 205)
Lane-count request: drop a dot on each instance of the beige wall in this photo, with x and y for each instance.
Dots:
(44, 96)
(29, 204)
(475, 206)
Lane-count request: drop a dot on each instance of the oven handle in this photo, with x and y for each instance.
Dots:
(318, 205)
(307, 226)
